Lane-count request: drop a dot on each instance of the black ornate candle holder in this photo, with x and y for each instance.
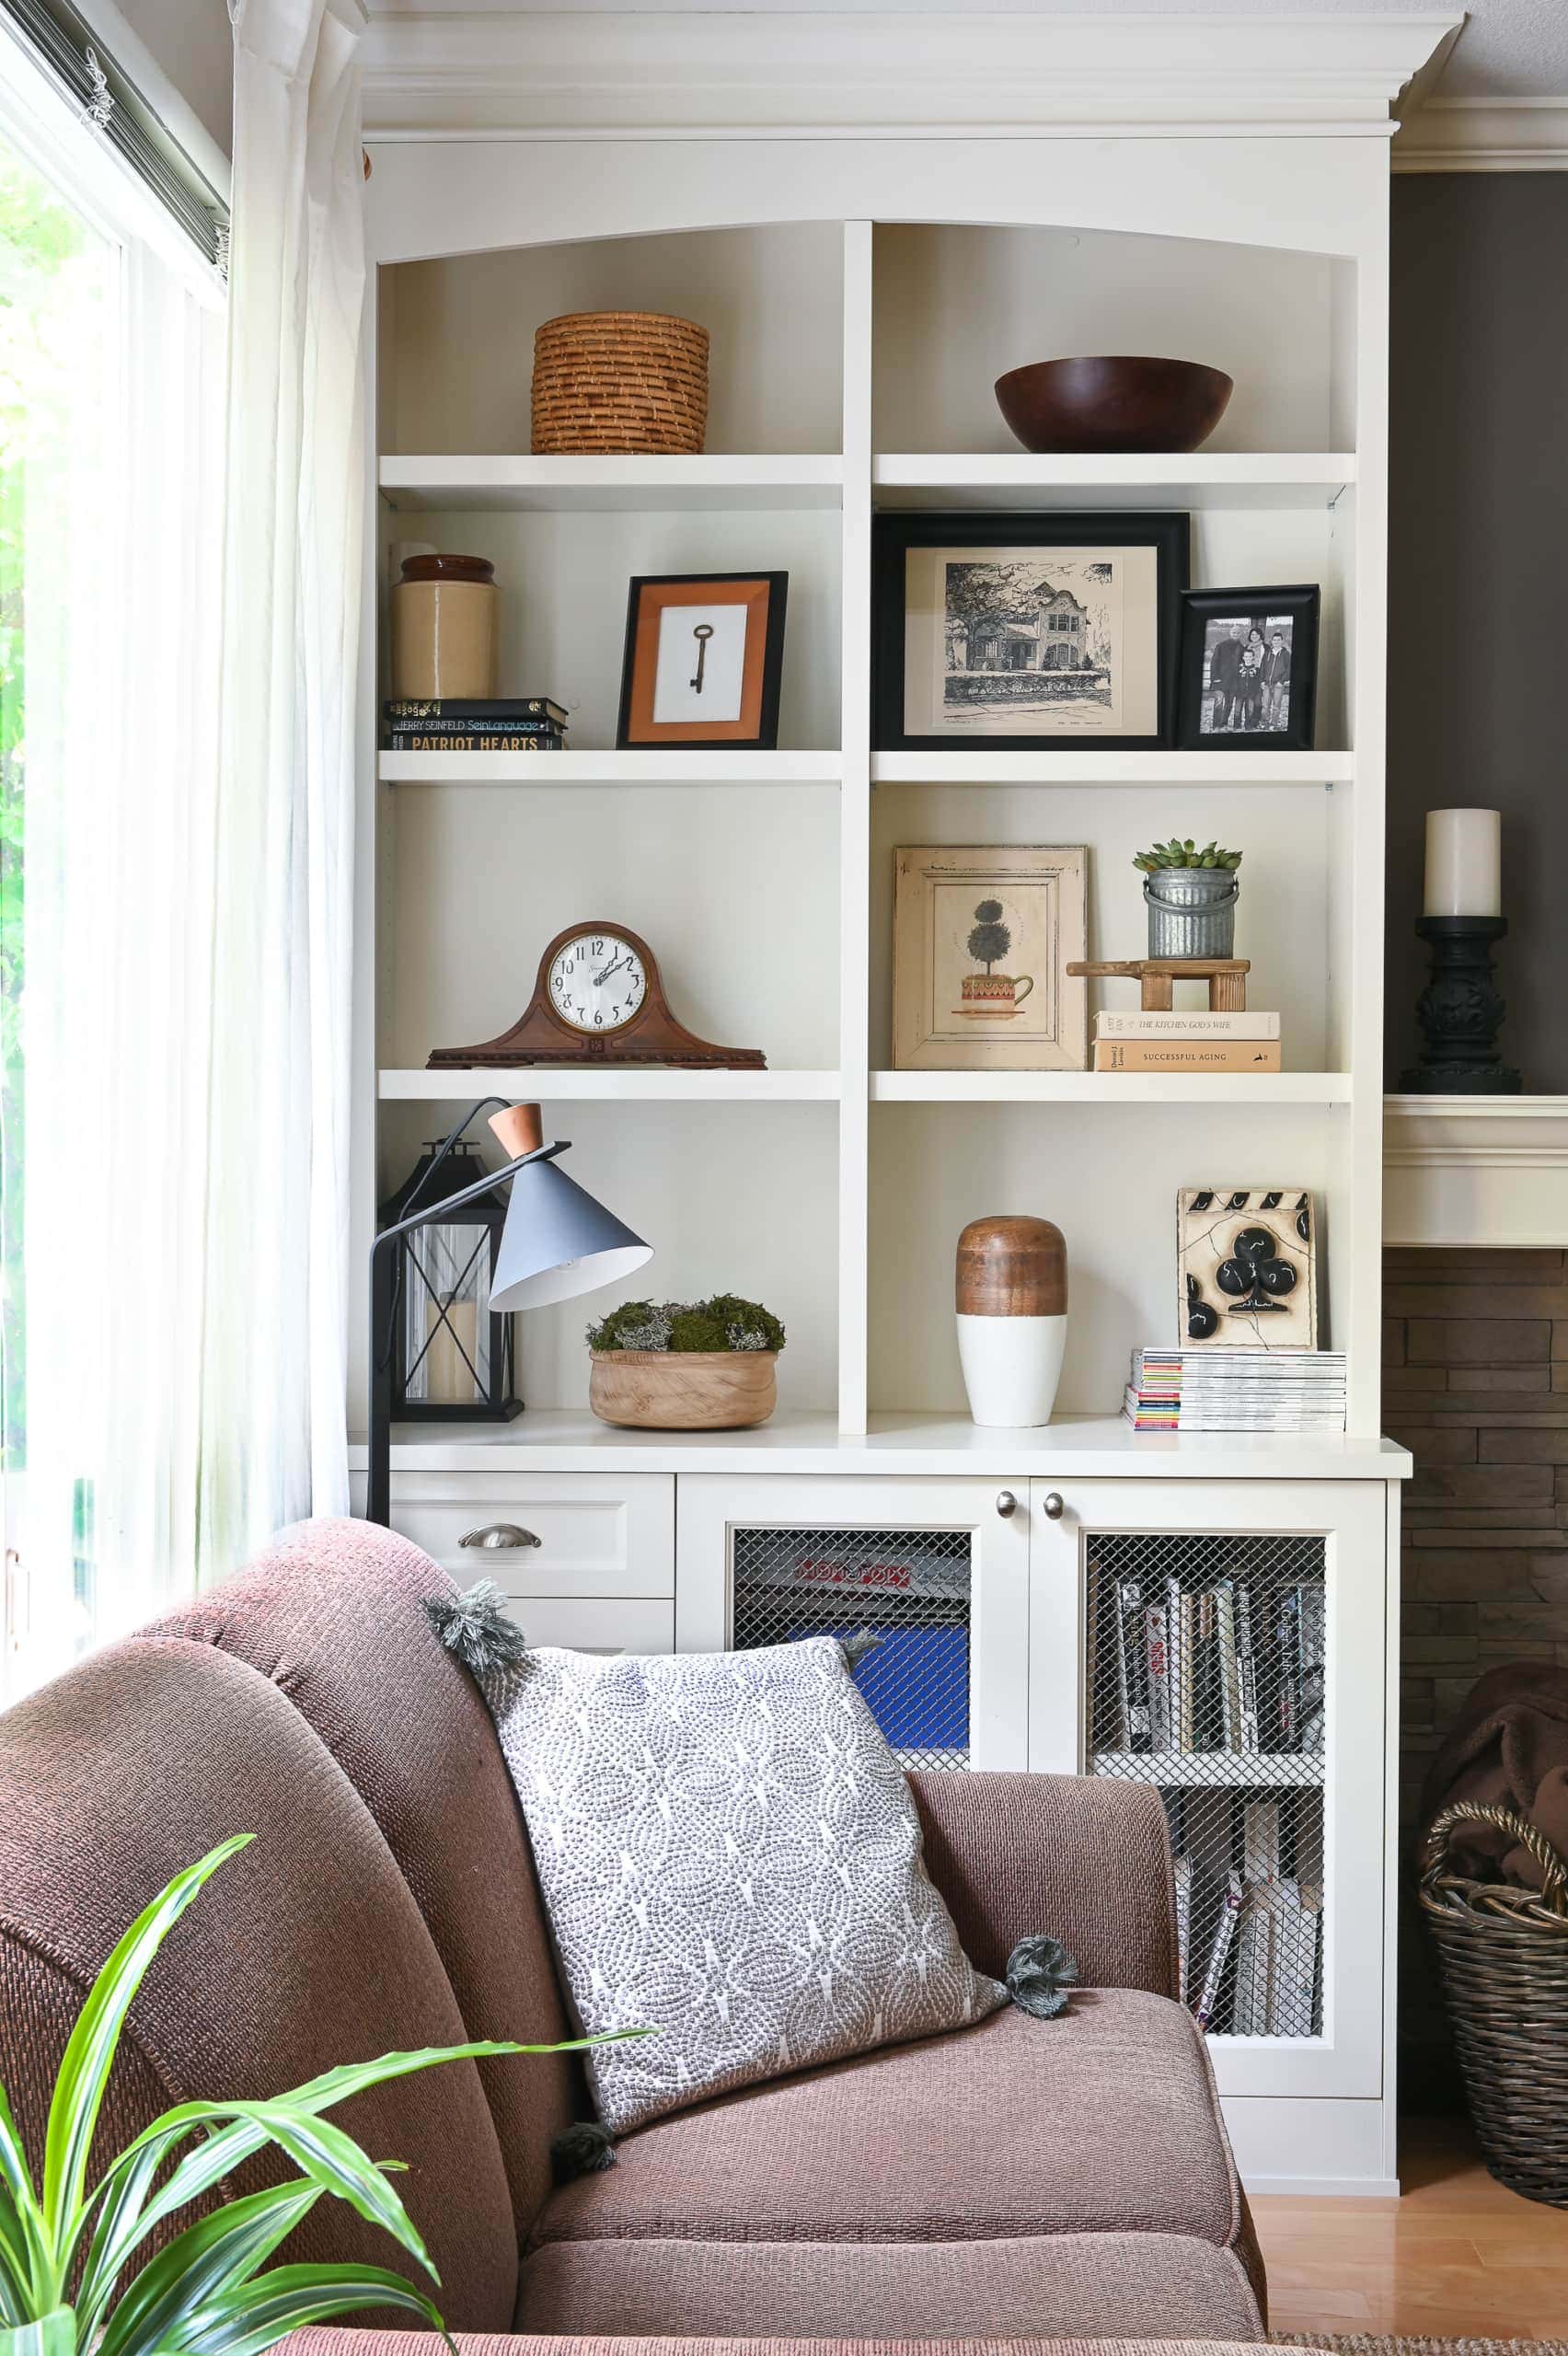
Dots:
(1460, 1013)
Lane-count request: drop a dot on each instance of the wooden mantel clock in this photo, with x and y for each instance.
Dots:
(598, 998)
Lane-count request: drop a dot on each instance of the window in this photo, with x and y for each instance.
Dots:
(111, 419)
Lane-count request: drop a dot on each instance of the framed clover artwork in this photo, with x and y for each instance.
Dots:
(1247, 1268)
(982, 940)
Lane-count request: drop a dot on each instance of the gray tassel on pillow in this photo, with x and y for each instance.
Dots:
(477, 1628)
(582, 2149)
(1040, 1973)
(856, 1649)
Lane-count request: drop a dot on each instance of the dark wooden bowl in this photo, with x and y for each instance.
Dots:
(1106, 405)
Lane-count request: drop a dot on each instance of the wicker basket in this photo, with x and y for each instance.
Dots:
(619, 381)
(1504, 1954)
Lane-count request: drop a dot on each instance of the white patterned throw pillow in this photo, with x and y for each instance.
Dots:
(729, 1854)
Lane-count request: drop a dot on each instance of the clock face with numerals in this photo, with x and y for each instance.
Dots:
(597, 982)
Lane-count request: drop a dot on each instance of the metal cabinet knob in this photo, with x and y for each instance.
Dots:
(499, 1535)
(1054, 1507)
(1006, 1504)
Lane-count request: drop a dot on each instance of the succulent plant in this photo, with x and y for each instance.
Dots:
(1177, 853)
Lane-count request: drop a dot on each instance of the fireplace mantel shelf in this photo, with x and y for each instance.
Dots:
(1476, 1170)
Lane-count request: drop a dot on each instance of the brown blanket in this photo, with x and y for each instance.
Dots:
(1509, 1748)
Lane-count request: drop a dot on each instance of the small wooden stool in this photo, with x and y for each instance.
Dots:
(1226, 977)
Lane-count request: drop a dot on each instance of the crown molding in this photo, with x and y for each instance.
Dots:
(445, 71)
(1484, 135)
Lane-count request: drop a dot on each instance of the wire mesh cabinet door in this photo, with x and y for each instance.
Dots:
(1225, 1641)
(936, 1572)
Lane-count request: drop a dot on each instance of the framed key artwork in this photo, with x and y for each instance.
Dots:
(704, 655)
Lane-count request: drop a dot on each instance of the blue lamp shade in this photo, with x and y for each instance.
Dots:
(558, 1241)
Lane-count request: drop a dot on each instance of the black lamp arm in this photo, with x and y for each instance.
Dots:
(378, 1476)
(492, 1179)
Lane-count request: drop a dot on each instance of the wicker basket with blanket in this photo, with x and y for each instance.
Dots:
(1503, 1953)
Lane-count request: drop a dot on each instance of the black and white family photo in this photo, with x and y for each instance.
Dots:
(1247, 674)
(1249, 670)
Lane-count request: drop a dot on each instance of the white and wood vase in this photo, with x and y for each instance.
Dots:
(1012, 1318)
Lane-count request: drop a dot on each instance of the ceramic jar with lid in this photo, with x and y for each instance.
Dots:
(444, 628)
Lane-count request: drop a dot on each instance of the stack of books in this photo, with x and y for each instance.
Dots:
(1224, 1668)
(1262, 1960)
(475, 724)
(1145, 1042)
(1236, 1391)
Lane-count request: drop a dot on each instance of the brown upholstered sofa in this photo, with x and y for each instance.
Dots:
(1019, 2179)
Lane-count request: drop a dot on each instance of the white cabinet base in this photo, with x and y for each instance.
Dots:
(1313, 2146)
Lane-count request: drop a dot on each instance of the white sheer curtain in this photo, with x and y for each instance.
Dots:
(175, 1100)
(112, 479)
(274, 1350)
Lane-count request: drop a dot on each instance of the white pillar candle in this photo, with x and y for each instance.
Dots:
(1464, 863)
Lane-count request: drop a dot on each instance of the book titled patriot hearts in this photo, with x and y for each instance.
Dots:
(474, 725)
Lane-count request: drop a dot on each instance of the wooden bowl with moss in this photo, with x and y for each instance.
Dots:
(679, 1366)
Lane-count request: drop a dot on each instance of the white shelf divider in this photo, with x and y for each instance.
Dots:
(1248, 478)
(1129, 1089)
(475, 485)
(1092, 767)
(1192, 1770)
(702, 766)
(563, 1084)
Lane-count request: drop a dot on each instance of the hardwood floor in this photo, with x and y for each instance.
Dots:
(1456, 2256)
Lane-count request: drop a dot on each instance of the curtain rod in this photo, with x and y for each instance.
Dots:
(68, 47)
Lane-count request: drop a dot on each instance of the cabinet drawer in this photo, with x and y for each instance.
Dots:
(597, 1537)
(597, 1624)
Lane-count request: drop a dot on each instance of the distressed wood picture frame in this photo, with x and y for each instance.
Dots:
(982, 940)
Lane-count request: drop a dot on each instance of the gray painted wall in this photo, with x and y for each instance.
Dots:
(1477, 632)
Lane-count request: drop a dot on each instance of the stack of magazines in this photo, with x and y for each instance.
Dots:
(1236, 1391)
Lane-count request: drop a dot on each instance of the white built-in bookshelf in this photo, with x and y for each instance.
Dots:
(852, 368)
(864, 281)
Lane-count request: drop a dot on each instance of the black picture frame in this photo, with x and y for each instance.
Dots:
(1167, 531)
(1300, 603)
(766, 737)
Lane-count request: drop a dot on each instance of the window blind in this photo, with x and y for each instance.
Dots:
(73, 53)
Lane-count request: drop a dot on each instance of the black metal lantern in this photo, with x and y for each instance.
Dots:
(451, 1356)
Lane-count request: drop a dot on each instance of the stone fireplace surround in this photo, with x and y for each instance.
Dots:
(1475, 1356)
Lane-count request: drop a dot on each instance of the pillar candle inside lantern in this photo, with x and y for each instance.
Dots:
(1464, 863)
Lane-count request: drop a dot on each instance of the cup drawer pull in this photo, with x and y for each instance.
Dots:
(499, 1536)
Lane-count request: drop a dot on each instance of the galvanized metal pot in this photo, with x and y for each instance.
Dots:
(1191, 911)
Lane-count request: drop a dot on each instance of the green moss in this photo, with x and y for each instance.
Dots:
(724, 1322)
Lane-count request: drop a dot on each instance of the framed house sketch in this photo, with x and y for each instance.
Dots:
(982, 940)
(1026, 630)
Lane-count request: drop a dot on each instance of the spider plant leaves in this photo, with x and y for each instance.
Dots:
(242, 2131)
(232, 2133)
(51, 2334)
(209, 2258)
(90, 2050)
(252, 2317)
(26, 2270)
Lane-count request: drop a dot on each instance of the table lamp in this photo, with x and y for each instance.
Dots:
(557, 1242)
